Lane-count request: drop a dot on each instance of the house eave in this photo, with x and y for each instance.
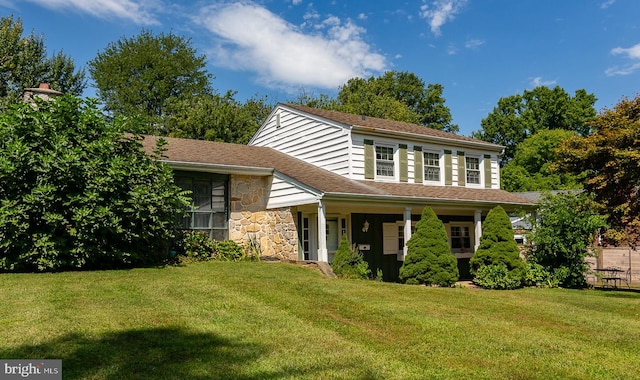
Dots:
(395, 200)
(219, 168)
(431, 139)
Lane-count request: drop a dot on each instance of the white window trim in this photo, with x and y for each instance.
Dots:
(480, 171)
(395, 162)
(440, 165)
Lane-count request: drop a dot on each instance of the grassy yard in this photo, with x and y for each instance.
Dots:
(280, 321)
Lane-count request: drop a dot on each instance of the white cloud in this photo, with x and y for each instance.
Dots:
(140, 12)
(296, 2)
(607, 4)
(452, 49)
(439, 12)
(537, 81)
(472, 44)
(362, 16)
(632, 53)
(251, 38)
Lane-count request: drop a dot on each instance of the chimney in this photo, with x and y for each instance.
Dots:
(43, 91)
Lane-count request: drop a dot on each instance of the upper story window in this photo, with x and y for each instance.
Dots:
(431, 166)
(384, 161)
(473, 170)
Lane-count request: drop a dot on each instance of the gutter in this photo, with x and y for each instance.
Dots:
(405, 200)
(218, 168)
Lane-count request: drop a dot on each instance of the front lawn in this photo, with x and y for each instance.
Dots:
(281, 321)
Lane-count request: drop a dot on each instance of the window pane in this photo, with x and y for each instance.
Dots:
(202, 220)
(384, 168)
(473, 170)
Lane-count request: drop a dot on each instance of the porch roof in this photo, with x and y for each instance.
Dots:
(244, 159)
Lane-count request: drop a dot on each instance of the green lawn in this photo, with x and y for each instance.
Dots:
(281, 321)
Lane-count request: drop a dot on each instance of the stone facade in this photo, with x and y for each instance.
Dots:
(275, 230)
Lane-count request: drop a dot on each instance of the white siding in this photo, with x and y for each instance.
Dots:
(309, 139)
(286, 193)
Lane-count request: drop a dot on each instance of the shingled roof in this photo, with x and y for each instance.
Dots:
(200, 152)
(366, 123)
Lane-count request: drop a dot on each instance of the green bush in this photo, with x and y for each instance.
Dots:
(563, 232)
(429, 260)
(497, 276)
(498, 246)
(538, 276)
(197, 246)
(76, 192)
(348, 261)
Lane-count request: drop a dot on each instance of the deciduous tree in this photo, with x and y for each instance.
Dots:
(532, 169)
(395, 95)
(142, 74)
(517, 117)
(77, 193)
(611, 158)
(563, 232)
(24, 63)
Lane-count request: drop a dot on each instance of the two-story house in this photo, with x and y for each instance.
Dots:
(309, 176)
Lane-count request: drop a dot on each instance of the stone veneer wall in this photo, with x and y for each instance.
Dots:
(275, 230)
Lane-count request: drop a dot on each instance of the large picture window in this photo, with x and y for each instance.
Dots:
(473, 170)
(384, 161)
(431, 166)
(208, 212)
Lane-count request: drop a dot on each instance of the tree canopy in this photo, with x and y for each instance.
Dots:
(78, 193)
(611, 158)
(24, 64)
(141, 75)
(517, 117)
(532, 169)
(395, 95)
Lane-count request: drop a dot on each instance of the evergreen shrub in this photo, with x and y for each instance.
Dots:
(348, 261)
(498, 247)
(429, 259)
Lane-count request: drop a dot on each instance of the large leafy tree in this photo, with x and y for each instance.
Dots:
(563, 232)
(395, 95)
(532, 169)
(429, 260)
(215, 117)
(611, 158)
(143, 74)
(24, 64)
(517, 117)
(78, 193)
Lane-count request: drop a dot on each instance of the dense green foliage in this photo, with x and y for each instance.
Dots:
(77, 193)
(517, 117)
(563, 233)
(611, 158)
(216, 118)
(348, 261)
(24, 64)
(498, 247)
(497, 277)
(394, 95)
(138, 76)
(429, 259)
(531, 169)
(197, 246)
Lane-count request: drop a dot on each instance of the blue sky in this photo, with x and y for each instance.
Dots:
(479, 50)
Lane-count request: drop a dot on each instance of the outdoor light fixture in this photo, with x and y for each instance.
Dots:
(365, 226)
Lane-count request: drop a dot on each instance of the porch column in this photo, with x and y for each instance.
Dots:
(477, 220)
(322, 233)
(407, 230)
